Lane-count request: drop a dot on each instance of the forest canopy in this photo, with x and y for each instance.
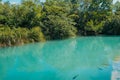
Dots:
(34, 21)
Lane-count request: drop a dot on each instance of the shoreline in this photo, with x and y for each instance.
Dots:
(23, 43)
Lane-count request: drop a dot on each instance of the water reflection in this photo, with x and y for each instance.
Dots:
(116, 68)
(85, 58)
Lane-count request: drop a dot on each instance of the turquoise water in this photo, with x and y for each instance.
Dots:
(85, 58)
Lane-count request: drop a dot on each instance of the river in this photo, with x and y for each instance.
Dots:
(82, 58)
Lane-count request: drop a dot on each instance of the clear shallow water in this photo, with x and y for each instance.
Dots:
(85, 58)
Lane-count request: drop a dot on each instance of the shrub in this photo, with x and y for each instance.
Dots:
(17, 36)
(36, 35)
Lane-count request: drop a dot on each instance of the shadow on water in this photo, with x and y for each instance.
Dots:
(85, 58)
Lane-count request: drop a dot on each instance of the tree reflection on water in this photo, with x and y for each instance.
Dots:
(89, 57)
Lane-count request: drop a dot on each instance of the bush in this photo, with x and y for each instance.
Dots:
(94, 27)
(57, 27)
(17, 36)
(36, 35)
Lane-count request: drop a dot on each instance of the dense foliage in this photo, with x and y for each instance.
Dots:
(17, 36)
(34, 21)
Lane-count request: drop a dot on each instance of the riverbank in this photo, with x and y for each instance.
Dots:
(19, 36)
(19, 42)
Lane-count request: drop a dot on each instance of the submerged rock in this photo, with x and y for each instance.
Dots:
(75, 77)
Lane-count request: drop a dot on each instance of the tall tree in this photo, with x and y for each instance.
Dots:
(57, 24)
(117, 8)
(93, 15)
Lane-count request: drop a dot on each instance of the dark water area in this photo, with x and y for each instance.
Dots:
(84, 58)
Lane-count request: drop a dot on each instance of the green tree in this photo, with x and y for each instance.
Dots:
(57, 24)
(5, 13)
(27, 14)
(112, 27)
(117, 8)
(93, 17)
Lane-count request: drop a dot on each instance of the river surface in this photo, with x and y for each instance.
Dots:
(82, 58)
